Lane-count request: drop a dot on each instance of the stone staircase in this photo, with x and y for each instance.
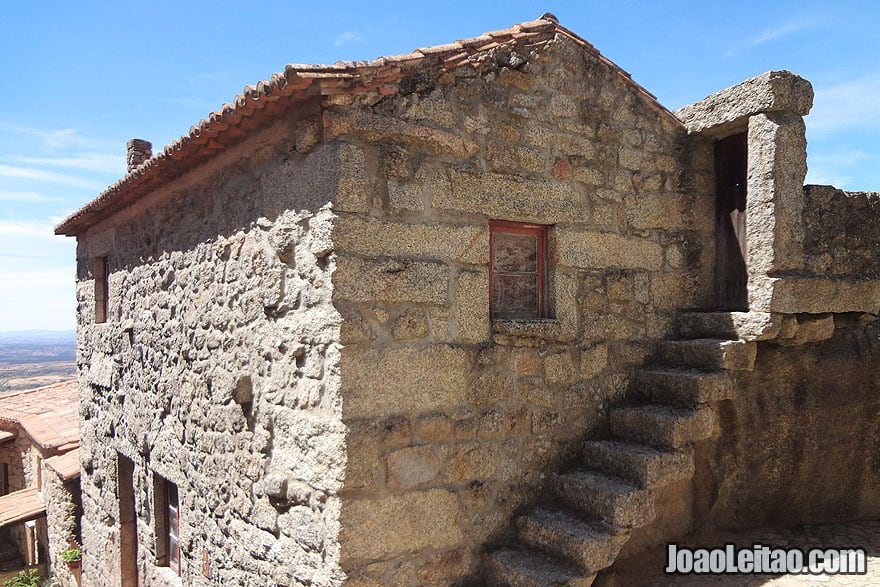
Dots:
(594, 506)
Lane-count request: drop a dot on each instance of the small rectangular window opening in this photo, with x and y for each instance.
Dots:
(100, 274)
(167, 509)
(518, 270)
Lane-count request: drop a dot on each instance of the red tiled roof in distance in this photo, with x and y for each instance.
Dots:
(49, 415)
(66, 465)
(21, 506)
(259, 105)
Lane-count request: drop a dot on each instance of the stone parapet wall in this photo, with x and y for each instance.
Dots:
(842, 233)
(455, 420)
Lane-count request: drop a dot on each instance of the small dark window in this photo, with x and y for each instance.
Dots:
(4, 479)
(100, 274)
(518, 270)
(167, 509)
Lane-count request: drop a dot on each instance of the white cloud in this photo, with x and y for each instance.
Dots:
(347, 38)
(28, 173)
(776, 32)
(850, 104)
(101, 162)
(29, 197)
(784, 30)
(23, 228)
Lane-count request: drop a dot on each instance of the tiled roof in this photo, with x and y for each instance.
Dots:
(66, 465)
(320, 85)
(49, 415)
(21, 506)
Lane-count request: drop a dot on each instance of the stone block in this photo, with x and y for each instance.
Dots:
(361, 280)
(560, 369)
(383, 129)
(726, 111)
(419, 380)
(471, 461)
(421, 520)
(405, 196)
(594, 360)
(472, 307)
(412, 466)
(814, 327)
(602, 250)
(443, 242)
(510, 197)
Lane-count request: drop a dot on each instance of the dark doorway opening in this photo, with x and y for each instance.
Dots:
(731, 177)
(128, 523)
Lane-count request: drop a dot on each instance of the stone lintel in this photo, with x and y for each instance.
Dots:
(373, 128)
(727, 112)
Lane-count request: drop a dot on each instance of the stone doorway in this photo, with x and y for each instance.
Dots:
(731, 178)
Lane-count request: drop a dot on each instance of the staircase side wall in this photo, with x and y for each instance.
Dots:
(800, 443)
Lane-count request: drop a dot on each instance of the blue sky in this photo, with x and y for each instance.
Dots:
(78, 79)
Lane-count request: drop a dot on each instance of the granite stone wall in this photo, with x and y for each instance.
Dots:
(842, 233)
(800, 441)
(454, 420)
(217, 370)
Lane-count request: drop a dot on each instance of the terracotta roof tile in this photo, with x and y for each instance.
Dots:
(66, 465)
(21, 506)
(259, 105)
(49, 415)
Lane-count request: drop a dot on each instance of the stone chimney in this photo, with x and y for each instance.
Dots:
(137, 151)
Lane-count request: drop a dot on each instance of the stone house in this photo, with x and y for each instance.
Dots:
(482, 313)
(39, 476)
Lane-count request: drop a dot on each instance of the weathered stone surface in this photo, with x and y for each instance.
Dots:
(376, 238)
(509, 197)
(777, 166)
(380, 129)
(421, 520)
(472, 303)
(733, 325)
(839, 241)
(774, 91)
(391, 280)
(595, 250)
(392, 381)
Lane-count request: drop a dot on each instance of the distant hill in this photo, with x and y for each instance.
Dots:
(32, 358)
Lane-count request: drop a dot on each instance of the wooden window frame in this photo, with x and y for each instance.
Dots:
(522, 228)
(167, 509)
(100, 272)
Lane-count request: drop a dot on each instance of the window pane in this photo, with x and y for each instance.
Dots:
(515, 296)
(514, 252)
(174, 555)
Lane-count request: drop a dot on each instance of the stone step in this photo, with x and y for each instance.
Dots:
(709, 354)
(520, 568)
(643, 465)
(615, 503)
(568, 537)
(729, 325)
(662, 426)
(687, 387)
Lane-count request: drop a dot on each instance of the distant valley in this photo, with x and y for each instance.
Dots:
(33, 358)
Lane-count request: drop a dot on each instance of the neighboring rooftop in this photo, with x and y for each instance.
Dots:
(49, 415)
(322, 86)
